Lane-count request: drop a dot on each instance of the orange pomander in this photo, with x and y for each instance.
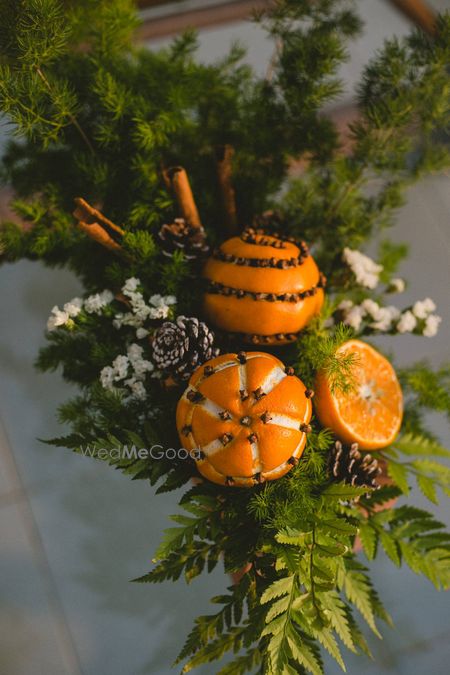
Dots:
(370, 414)
(262, 287)
(244, 417)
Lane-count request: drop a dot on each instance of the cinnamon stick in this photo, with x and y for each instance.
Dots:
(224, 173)
(99, 235)
(420, 12)
(96, 225)
(88, 214)
(177, 180)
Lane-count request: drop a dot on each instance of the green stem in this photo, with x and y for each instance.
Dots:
(72, 117)
(357, 182)
(348, 190)
(311, 571)
(27, 109)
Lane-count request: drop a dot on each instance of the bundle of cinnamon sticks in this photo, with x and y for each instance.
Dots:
(108, 234)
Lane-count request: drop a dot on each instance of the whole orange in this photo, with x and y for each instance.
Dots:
(262, 287)
(244, 417)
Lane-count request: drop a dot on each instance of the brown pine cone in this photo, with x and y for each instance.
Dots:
(181, 236)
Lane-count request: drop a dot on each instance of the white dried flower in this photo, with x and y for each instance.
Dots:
(136, 299)
(106, 297)
(345, 305)
(135, 352)
(139, 364)
(128, 319)
(422, 308)
(156, 300)
(120, 366)
(73, 307)
(57, 318)
(366, 270)
(407, 322)
(162, 300)
(161, 312)
(396, 285)
(383, 320)
(139, 308)
(95, 303)
(137, 389)
(142, 312)
(130, 285)
(120, 371)
(371, 307)
(354, 317)
(432, 325)
(141, 333)
(394, 312)
(143, 366)
(107, 378)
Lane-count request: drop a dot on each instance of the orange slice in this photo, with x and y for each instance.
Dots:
(371, 413)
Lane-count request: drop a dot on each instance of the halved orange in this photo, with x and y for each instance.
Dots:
(371, 413)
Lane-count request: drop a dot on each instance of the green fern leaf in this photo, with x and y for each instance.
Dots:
(339, 525)
(419, 445)
(369, 539)
(427, 487)
(326, 638)
(390, 547)
(399, 474)
(343, 491)
(292, 537)
(278, 607)
(358, 590)
(339, 618)
(303, 653)
(279, 587)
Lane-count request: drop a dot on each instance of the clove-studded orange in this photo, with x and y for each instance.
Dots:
(263, 287)
(244, 417)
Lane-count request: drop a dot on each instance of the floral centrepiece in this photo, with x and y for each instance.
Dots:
(103, 117)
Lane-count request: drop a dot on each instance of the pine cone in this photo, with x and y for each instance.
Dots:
(270, 221)
(181, 236)
(180, 346)
(350, 466)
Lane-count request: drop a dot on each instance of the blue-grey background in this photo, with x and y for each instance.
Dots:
(73, 532)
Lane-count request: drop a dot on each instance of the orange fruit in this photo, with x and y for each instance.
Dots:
(262, 288)
(244, 417)
(370, 414)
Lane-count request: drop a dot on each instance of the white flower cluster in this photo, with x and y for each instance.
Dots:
(418, 319)
(370, 315)
(423, 310)
(62, 317)
(158, 307)
(396, 286)
(366, 270)
(380, 318)
(130, 370)
(94, 304)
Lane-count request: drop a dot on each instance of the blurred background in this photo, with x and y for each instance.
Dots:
(73, 532)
